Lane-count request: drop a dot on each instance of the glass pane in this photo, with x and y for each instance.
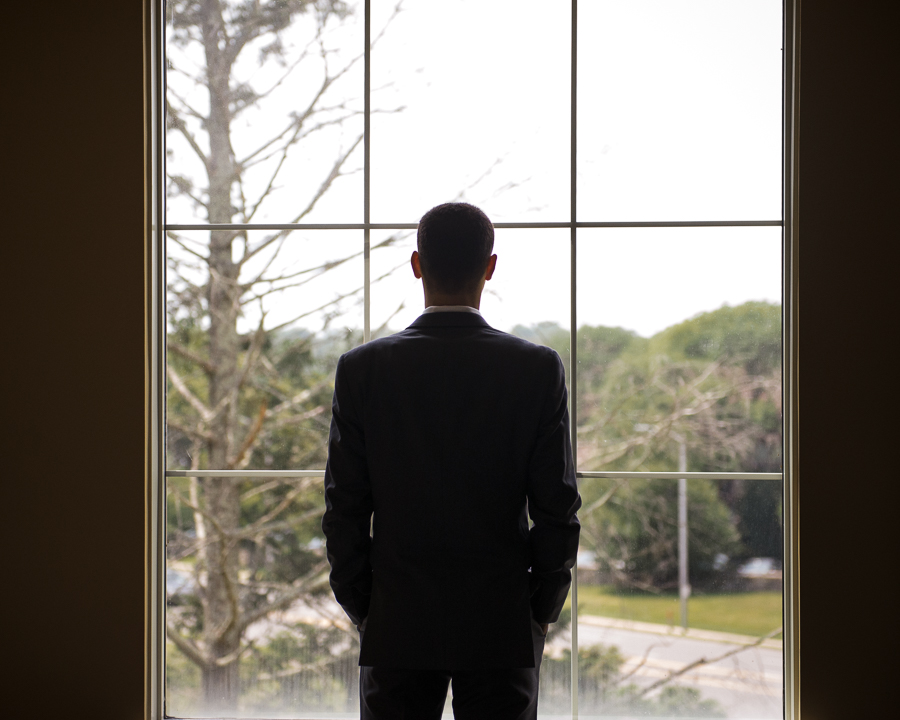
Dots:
(679, 110)
(472, 102)
(555, 695)
(679, 344)
(632, 645)
(251, 355)
(264, 118)
(254, 632)
(528, 294)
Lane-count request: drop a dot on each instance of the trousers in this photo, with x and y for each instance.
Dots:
(497, 694)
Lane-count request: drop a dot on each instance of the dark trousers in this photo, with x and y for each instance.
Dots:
(506, 694)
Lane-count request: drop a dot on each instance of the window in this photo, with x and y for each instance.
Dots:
(630, 155)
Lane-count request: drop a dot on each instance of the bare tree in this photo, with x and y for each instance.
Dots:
(233, 394)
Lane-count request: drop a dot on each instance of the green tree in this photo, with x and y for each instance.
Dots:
(713, 383)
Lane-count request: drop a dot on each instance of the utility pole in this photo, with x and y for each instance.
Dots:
(684, 588)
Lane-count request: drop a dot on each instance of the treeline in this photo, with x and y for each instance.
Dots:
(711, 384)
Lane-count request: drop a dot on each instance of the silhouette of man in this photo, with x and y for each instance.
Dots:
(451, 434)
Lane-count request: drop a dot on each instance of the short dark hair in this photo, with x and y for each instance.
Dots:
(455, 241)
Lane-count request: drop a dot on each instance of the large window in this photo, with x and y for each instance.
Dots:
(630, 155)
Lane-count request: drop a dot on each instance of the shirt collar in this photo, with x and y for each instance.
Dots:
(451, 308)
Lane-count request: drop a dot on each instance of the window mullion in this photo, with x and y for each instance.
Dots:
(367, 107)
(573, 351)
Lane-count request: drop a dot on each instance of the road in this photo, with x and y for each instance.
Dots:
(747, 684)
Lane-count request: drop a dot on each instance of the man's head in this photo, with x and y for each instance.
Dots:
(455, 241)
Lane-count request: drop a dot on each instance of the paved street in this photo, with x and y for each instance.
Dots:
(747, 684)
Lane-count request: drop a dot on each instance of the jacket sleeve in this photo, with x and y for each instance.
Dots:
(348, 503)
(553, 500)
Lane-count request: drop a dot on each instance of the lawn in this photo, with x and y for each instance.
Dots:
(752, 613)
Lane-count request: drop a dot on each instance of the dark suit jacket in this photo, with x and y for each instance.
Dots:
(452, 433)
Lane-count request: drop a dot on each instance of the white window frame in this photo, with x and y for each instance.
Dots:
(155, 323)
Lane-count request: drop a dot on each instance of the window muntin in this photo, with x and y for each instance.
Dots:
(258, 695)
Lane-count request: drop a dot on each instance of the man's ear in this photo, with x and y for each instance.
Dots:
(416, 265)
(491, 266)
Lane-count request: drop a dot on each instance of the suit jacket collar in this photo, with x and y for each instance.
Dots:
(449, 319)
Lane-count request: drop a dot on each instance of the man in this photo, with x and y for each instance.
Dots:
(452, 433)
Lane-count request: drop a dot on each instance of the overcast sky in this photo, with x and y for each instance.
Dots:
(679, 118)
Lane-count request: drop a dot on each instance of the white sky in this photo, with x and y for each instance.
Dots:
(679, 119)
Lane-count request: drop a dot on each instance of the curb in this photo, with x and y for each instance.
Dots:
(679, 632)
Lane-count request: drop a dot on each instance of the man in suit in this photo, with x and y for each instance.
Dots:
(452, 433)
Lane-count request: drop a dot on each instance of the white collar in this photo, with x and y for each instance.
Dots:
(451, 308)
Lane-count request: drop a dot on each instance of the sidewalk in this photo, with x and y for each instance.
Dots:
(677, 631)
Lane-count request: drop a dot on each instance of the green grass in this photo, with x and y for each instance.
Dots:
(752, 613)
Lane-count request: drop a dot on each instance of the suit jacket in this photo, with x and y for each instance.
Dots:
(452, 433)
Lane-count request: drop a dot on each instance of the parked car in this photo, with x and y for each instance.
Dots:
(760, 567)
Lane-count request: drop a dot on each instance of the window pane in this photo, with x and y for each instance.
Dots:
(630, 622)
(679, 110)
(266, 125)
(397, 297)
(472, 101)
(252, 552)
(251, 356)
(528, 294)
(679, 340)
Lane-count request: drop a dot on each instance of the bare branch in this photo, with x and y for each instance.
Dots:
(272, 484)
(326, 184)
(295, 419)
(252, 528)
(637, 667)
(180, 241)
(602, 500)
(300, 397)
(249, 440)
(191, 651)
(300, 134)
(187, 354)
(185, 104)
(178, 123)
(703, 661)
(291, 524)
(381, 328)
(196, 433)
(286, 74)
(183, 190)
(321, 270)
(300, 587)
(336, 300)
(235, 655)
(194, 401)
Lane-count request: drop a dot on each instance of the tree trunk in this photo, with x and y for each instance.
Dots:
(221, 601)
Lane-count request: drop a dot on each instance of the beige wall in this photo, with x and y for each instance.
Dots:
(73, 397)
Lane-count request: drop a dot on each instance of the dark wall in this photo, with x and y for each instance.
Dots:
(848, 372)
(73, 386)
(73, 502)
